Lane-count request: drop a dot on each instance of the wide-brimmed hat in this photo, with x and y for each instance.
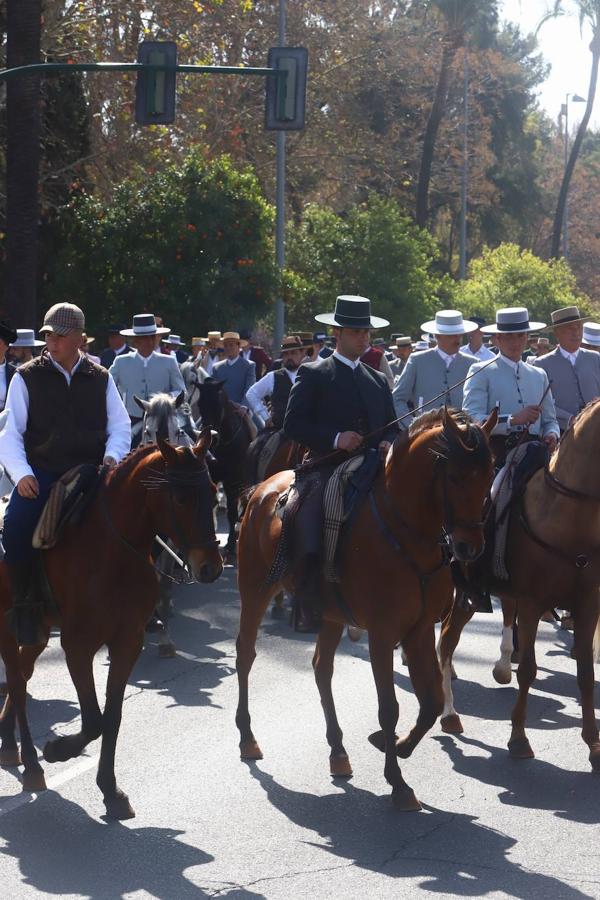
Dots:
(566, 316)
(479, 321)
(449, 321)
(213, 336)
(26, 338)
(173, 339)
(352, 312)
(63, 318)
(198, 342)
(402, 341)
(294, 342)
(420, 345)
(230, 336)
(7, 334)
(591, 334)
(513, 319)
(319, 337)
(144, 325)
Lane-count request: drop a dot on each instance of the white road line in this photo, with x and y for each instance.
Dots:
(53, 783)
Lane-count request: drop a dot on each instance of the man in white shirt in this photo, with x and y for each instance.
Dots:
(474, 346)
(63, 411)
(277, 385)
(7, 336)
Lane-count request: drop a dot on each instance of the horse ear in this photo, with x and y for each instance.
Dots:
(491, 422)
(169, 453)
(204, 442)
(179, 399)
(452, 430)
(143, 404)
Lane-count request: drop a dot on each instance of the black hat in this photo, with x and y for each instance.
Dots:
(245, 334)
(352, 312)
(116, 329)
(319, 337)
(8, 334)
(479, 320)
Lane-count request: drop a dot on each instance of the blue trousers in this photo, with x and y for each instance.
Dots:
(21, 518)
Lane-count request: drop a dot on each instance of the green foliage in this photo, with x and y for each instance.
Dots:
(509, 276)
(373, 250)
(191, 242)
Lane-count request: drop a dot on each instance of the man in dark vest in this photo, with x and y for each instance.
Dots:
(277, 385)
(63, 410)
(341, 404)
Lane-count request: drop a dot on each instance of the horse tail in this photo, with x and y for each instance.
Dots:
(245, 498)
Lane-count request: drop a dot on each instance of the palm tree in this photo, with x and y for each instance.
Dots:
(461, 18)
(23, 20)
(589, 14)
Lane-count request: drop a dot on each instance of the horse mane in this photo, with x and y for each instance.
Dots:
(473, 442)
(162, 404)
(584, 413)
(121, 471)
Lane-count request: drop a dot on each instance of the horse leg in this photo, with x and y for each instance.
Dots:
(123, 653)
(452, 628)
(33, 774)
(254, 605)
(232, 492)
(166, 645)
(327, 643)
(502, 670)
(9, 750)
(426, 678)
(80, 661)
(585, 617)
(382, 664)
(518, 745)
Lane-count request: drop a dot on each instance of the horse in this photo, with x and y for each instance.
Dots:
(165, 418)
(229, 450)
(554, 531)
(435, 476)
(104, 587)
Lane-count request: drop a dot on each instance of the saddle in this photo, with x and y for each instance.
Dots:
(69, 498)
(260, 453)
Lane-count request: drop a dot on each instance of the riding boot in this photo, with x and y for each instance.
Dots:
(26, 618)
(307, 608)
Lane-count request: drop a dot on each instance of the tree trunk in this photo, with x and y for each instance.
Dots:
(434, 121)
(559, 216)
(22, 163)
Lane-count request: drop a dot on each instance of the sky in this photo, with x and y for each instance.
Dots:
(562, 46)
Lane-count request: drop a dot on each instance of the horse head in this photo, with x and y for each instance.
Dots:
(212, 404)
(161, 420)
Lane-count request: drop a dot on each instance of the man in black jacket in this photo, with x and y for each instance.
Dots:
(339, 404)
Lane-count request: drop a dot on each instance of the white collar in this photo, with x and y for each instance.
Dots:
(232, 362)
(572, 357)
(145, 359)
(351, 363)
(509, 362)
(447, 357)
(122, 349)
(68, 375)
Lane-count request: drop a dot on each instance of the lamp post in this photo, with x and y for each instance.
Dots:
(280, 207)
(574, 98)
(465, 174)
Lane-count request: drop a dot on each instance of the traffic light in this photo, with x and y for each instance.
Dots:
(155, 90)
(286, 97)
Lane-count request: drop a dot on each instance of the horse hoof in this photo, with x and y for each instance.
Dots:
(34, 782)
(404, 800)
(595, 759)
(10, 758)
(250, 750)
(167, 651)
(354, 633)
(119, 807)
(520, 748)
(404, 748)
(339, 766)
(451, 724)
(50, 752)
(378, 740)
(501, 674)
(453, 675)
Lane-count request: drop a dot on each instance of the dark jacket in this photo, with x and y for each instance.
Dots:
(107, 357)
(261, 360)
(329, 397)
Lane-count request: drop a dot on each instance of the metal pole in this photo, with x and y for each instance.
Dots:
(279, 328)
(566, 210)
(465, 176)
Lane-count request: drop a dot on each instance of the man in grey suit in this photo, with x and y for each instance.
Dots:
(434, 372)
(145, 372)
(236, 373)
(400, 351)
(574, 373)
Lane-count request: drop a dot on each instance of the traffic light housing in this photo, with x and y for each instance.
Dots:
(286, 97)
(155, 89)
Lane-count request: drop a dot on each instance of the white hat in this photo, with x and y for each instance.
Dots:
(143, 325)
(26, 338)
(512, 320)
(420, 345)
(449, 321)
(173, 339)
(591, 334)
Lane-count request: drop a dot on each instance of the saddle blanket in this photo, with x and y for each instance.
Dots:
(270, 446)
(68, 495)
(335, 513)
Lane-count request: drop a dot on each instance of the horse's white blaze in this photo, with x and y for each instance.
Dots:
(503, 668)
(447, 688)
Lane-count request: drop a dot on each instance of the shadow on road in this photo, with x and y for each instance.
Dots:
(451, 852)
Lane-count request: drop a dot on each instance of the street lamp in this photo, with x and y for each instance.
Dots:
(564, 111)
(280, 204)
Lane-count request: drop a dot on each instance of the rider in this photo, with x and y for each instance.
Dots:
(63, 411)
(278, 384)
(337, 403)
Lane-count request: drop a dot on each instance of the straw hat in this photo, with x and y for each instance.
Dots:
(231, 336)
(567, 315)
(294, 342)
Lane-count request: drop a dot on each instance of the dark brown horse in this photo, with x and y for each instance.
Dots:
(105, 587)
(436, 477)
(553, 558)
(233, 437)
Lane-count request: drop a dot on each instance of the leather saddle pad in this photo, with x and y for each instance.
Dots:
(68, 499)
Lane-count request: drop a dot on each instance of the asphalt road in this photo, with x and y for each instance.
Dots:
(209, 825)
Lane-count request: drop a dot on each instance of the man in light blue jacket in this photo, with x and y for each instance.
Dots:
(144, 372)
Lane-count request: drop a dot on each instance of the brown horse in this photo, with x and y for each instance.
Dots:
(435, 477)
(105, 588)
(554, 535)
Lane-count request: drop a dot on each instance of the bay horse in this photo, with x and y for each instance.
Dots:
(230, 446)
(105, 588)
(554, 533)
(435, 476)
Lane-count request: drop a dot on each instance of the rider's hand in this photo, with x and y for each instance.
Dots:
(551, 440)
(109, 461)
(349, 440)
(28, 487)
(527, 416)
(269, 423)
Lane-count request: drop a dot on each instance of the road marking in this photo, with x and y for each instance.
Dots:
(56, 781)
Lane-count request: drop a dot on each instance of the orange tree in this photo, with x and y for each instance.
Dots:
(191, 241)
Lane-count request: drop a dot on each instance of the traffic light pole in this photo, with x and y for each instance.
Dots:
(61, 68)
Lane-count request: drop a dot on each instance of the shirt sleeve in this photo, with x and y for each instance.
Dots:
(118, 426)
(404, 391)
(256, 395)
(176, 379)
(12, 447)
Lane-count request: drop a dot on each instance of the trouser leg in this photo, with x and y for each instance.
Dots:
(308, 601)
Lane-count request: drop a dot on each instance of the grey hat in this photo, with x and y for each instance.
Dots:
(63, 318)
(513, 319)
(26, 338)
(144, 325)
